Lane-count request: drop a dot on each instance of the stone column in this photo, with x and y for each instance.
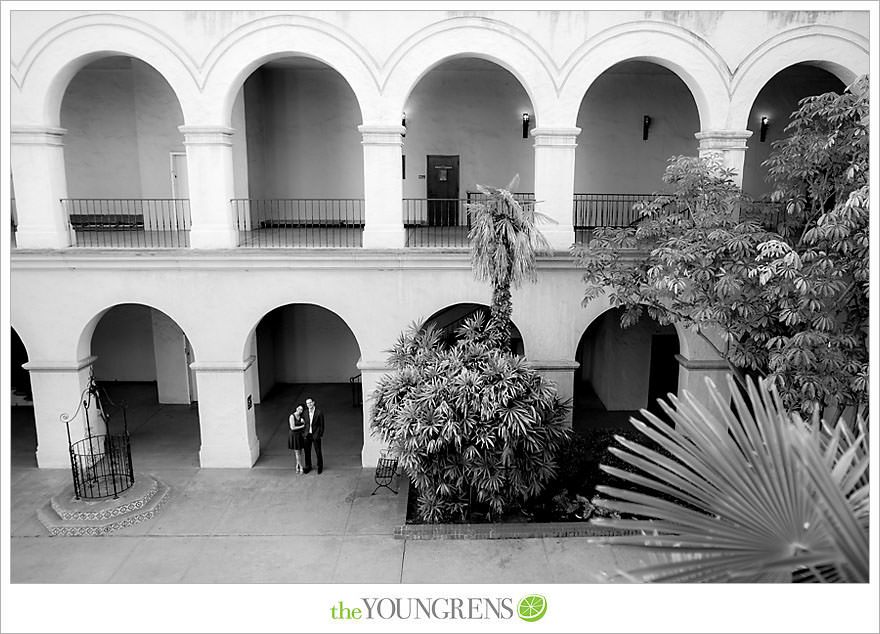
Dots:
(371, 372)
(554, 183)
(211, 186)
(383, 186)
(57, 388)
(692, 375)
(37, 157)
(226, 415)
(561, 373)
(729, 144)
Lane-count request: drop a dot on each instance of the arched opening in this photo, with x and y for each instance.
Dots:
(467, 123)
(448, 320)
(299, 177)
(143, 361)
(306, 351)
(776, 101)
(623, 370)
(23, 431)
(124, 157)
(632, 119)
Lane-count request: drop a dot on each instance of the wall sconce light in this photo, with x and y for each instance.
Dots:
(403, 123)
(526, 125)
(765, 122)
(646, 123)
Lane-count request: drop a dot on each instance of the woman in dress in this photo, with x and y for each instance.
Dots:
(295, 440)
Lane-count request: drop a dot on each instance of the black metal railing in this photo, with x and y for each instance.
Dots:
(129, 223)
(520, 197)
(436, 222)
(357, 392)
(299, 222)
(443, 222)
(603, 210)
(101, 462)
(616, 210)
(101, 466)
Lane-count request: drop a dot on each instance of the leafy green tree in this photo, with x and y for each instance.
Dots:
(779, 290)
(469, 423)
(747, 493)
(505, 242)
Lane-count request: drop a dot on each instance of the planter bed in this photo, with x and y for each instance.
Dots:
(562, 510)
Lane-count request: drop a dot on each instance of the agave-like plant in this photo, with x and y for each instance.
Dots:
(745, 493)
(504, 243)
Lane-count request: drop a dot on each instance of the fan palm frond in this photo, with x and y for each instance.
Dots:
(744, 493)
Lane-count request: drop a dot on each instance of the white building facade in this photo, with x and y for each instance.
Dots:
(200, 192)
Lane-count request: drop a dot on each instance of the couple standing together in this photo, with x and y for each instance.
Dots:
(306, 429)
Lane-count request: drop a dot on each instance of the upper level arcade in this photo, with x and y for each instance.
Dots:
(206, 130)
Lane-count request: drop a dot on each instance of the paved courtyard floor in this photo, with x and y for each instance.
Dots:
(268, 524)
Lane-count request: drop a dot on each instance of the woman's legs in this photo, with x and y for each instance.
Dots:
(299, 459)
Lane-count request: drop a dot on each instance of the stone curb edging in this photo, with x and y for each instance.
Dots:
(63, 504)
(96, 531)
(148, 502)
(522, 530)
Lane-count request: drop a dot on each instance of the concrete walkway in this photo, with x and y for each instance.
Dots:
(273, 526)
(268, 524)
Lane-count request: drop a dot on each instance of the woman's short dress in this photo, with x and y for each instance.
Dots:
(295, 440)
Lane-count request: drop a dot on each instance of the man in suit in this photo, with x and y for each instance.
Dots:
(313, 433)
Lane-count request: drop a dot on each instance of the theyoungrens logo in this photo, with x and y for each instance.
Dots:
(530, 608)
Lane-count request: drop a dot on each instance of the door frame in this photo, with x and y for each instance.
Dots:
(172, 172)
(443, 211)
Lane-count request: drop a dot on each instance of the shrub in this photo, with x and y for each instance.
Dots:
(470, 423)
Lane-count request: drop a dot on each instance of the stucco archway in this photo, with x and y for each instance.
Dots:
(123, 168)
(622, 154)
(843, 54)
(300, 125)
(623, 369)
(45, 70)
(142, 358)
(300, 351)
(466, 118)
(775, 103)
(236, 56)
(465, 37)
(448, 319)
(699, 66)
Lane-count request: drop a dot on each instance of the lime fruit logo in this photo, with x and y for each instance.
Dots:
(532, 608)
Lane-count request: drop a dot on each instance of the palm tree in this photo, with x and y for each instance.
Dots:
(504, 245)
(750, 492)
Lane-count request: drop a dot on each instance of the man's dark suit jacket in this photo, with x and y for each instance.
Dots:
(317, 423)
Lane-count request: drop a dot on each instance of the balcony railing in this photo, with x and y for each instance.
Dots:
(436, 222)
(301, 222)
(616, 210)
(603, 210)
(129, 222)
(520, 197)
(443, 222)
